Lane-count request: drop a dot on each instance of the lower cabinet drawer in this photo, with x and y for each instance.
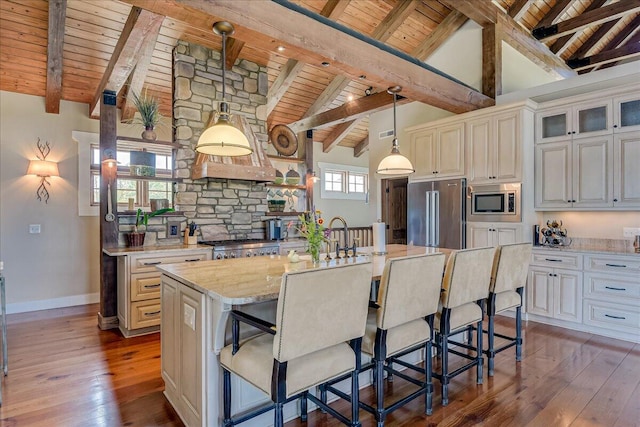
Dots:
(145, 286)
(145, 314)
(603, 285)
(556, 259)
(624, 318)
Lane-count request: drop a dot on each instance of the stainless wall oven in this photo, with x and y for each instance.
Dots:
(494, 203)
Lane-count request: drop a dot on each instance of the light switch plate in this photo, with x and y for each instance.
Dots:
(34, 228)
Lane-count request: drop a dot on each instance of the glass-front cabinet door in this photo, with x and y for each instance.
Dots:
(553, 124)
(626, 113)
(592, 118)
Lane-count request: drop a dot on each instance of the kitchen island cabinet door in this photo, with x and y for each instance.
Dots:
(540, 291)
(168, 334)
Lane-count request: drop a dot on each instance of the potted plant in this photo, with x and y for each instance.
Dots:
(136, 237)
(149, 109)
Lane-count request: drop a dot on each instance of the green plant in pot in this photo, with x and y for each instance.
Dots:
(136, 237)
(150, 117)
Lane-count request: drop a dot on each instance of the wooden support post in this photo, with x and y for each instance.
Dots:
(308, 152)
(108, 315)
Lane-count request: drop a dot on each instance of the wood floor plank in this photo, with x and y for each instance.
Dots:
(64, 371)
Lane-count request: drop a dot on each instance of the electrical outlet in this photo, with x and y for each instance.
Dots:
(630, 231)
(34, 228)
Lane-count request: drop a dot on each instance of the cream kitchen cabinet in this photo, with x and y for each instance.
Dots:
(555, 292)
(574, 173)
(139, 287)
(626, 113)
(183, 350)
(438, 152)
(494, 148)
(483, 234)
(626, 179)
(587, 118)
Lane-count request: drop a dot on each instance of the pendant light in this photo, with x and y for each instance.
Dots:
(395, 163)
(223, 138)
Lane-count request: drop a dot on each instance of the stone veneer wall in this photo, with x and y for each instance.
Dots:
(224, 209)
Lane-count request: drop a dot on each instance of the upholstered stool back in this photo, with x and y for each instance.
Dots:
(510, 267)
(467, 276)
(311, 317)
(414, 292)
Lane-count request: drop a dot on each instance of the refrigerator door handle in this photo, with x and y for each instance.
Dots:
(435, 206)
(427, 212)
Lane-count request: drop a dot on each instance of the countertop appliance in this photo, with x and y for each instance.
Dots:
(229, 249)
(494, 203)
(436, 213)
(275, 230)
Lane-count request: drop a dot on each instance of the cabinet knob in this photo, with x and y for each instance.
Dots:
(615, 200)
(615, 126)
(568, 133)
(573, 132)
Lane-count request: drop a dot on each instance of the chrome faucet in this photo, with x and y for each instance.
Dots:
(346, 238)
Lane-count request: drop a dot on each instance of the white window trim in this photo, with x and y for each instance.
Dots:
(85, 140)
(336, 195)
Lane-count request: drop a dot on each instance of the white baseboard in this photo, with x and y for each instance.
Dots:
(46, 304)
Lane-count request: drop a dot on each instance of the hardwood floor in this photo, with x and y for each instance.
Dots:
(64, 371)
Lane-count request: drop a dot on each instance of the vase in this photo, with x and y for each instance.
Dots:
(149, 134)
(314, 250)
(134, 239)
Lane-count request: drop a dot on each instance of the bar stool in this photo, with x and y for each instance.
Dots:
(318, 312)
(407, 302)
(465, 287)
(508, 278)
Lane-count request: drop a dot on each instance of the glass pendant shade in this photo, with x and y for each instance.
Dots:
(223, 138)
(395, 163)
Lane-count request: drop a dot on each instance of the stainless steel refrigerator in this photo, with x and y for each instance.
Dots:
(436, 213)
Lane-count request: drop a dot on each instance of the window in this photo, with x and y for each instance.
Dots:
(142, 191)
(344, 182)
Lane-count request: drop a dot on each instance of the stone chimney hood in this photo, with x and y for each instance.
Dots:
(253, 167)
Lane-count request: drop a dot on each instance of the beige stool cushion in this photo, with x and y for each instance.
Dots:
(461, 316)
(254, 363)
(506, 300)
(398, 338)
(467, 276)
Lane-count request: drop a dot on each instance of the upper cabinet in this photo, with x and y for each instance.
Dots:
(494, 148)
(590, 118)
(586, 152)
(438, 152)
(626, 113)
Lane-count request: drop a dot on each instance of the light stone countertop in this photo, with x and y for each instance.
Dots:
(250, 280)
(152, 249)
(596, 246)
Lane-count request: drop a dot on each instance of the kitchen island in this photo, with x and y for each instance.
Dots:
(196, 301)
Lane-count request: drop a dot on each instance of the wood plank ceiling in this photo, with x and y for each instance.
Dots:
(118, 44)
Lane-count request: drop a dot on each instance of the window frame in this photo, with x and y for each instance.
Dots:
(347, 171)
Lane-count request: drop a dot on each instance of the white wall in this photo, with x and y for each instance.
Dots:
(61, 265)
(355, 212)
(596, 225)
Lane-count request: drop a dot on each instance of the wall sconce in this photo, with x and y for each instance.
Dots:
(109, 158)
(44, 169)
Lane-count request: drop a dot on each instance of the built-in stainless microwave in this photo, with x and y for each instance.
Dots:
(494, 203)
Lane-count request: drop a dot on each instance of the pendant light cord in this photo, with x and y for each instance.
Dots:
(395, 136)
(224, 65)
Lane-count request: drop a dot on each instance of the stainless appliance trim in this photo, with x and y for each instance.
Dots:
(243, 249)
(488, 189)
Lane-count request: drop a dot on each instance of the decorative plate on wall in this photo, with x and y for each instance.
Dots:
(284, 140)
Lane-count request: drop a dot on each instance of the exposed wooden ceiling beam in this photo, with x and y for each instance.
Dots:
(518, 9)
(287, 76)
(483, 12)
(594, 39)
(334, 8)
(555, 12)
(348, 111)
(233, 49)
(55, 41)
(618, 40)
(385, 29)
(361, 147)
(629, 50)
(338, 134)
(587, 19)
(559, 45)
(139, 74)
(308, 39)
(492, 60)
(449, 25)
(514, 35)
(331, 92)
(125, 54)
